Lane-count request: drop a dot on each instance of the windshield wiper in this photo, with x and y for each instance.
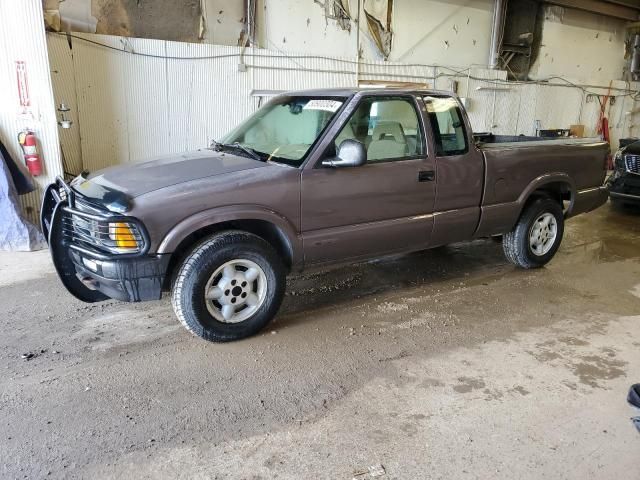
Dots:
(219, 147)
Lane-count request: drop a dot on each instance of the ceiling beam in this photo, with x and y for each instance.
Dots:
(609, 9)
(626, 3)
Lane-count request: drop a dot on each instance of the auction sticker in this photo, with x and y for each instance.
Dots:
(329, 105)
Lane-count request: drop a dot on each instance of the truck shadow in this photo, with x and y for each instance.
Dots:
(627, 210)
(326, 288)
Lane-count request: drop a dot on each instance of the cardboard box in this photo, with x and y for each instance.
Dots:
(577, 131)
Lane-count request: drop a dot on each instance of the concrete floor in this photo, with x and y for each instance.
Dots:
(444, 364)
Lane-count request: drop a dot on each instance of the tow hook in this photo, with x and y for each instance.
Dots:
(88, 282)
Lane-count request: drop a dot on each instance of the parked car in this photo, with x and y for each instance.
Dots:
(313, 178)
(624, 183)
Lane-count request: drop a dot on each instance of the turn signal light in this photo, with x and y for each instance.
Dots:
(123, 235)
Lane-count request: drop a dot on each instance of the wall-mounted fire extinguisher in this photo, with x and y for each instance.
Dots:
(27, 140)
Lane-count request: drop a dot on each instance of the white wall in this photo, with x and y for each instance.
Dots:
(426, 31)
(223, 21)
(132, 107)
(581, 46)
(578, 45)
(445, 33)
(300, 26)
(22, 38)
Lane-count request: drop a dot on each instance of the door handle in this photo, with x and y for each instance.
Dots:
(426, 176)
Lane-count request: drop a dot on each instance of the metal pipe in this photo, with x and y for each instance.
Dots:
(497, 31)
(250, 15)
(358, 47)
(635, 58)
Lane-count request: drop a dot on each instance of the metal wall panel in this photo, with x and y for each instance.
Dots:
(207, 96)
(147, 112)
(393, 71)
(22, 38)
(101, 87)
(64, 91)
(274, 70)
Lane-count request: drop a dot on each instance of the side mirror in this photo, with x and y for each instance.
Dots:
(351, 153)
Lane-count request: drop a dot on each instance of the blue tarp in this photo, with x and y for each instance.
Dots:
(16, 233)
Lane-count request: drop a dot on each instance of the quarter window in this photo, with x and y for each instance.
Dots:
(447, 124)
(388, 127)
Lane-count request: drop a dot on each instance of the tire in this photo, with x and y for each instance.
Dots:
(216, 266)
(517, 244)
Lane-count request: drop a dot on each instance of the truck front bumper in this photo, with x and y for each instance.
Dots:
(626, 188)
(92, 275)
(130, 280)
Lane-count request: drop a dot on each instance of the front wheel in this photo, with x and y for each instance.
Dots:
(537, 235)
(229, 287)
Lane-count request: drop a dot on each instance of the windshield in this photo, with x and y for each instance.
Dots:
(285, 128)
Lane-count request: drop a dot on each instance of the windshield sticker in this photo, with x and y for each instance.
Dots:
(329, 105)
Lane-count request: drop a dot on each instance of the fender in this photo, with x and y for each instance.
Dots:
(228, 213)
(541, 181)
(499, 218)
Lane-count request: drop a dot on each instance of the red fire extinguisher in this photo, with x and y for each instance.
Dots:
(27, 140)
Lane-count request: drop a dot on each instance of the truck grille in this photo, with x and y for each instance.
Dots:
(111, 237)
(632, 163)
(86, 228)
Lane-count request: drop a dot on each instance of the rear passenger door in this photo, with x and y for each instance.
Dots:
(459, 171)
(381, 207)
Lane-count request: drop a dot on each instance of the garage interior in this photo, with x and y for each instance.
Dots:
(445, 363)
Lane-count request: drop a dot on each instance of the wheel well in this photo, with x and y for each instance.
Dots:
(262, 228)
(559, 191)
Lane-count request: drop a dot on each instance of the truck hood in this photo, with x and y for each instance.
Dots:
(115, 187)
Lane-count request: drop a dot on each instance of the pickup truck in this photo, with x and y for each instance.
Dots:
(312, 178)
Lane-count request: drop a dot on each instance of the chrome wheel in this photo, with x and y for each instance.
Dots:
(235, 291)
(543, 233)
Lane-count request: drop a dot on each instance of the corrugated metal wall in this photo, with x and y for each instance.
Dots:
(22, 38)
(64, 85)
(170, 97)
(131, 107)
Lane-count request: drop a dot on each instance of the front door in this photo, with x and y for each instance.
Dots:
(384, 206)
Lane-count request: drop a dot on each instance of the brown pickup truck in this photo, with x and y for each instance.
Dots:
(312, 178)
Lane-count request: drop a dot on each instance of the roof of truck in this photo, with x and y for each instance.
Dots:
(347, 92)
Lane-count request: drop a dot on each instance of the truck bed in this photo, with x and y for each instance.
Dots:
(513, 169)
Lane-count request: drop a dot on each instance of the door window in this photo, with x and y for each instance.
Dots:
(388, 127)
(447, 124)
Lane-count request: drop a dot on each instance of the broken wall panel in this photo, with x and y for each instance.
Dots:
(159, 19)
(223, 22)
(379, 16)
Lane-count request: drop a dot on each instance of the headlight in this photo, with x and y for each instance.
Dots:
(114, 237)
(618, 163)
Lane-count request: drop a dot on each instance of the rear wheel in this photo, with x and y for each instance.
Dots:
(229, 287)
(537, 235)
